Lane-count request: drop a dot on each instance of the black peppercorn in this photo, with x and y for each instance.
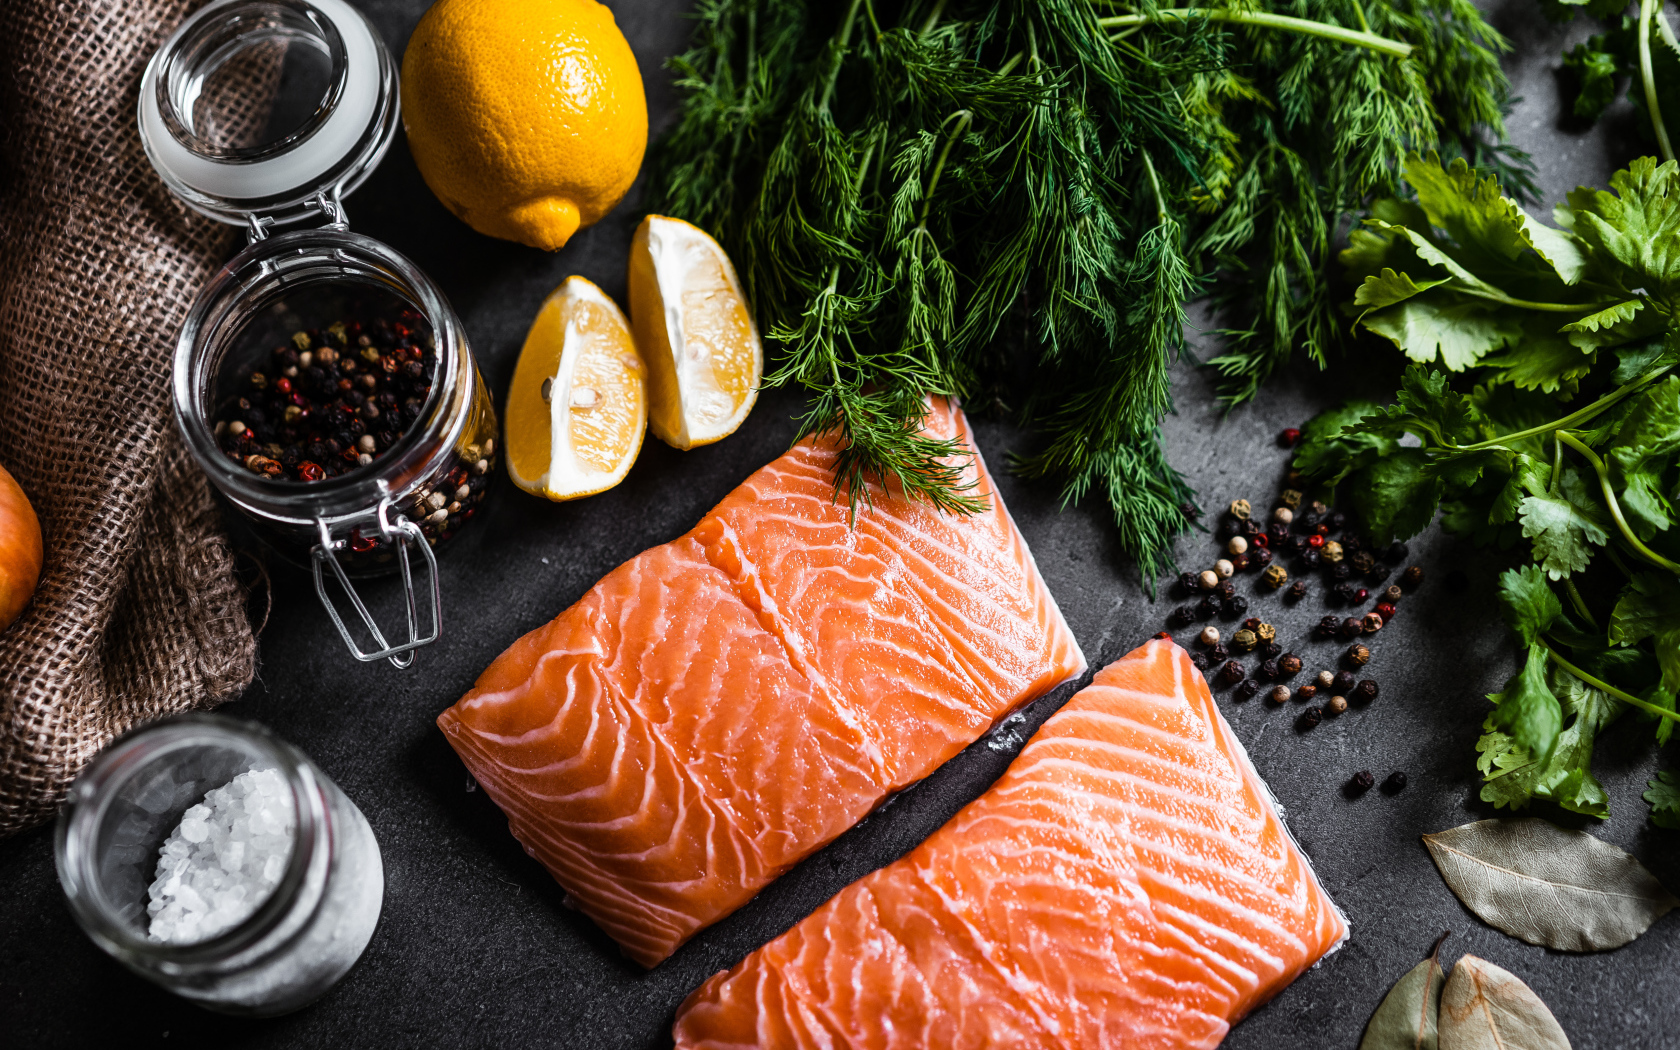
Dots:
(1188, 584)
(1230, 671)
(1259, 557)
(1271, 650)
(1268, 669)
(1306, 692)
(1357, 655)
(1378, 574)
(1309, 719)
(1289, 664)
(1351, 627)
(1396, 552)
(1310, 558)
(1307, 522)
(1288, 545)
(1361, 561)
(1239, 562)
(1182, 616)
(1365, 691)
(1336, 520)
(1395, 783)
(1247, 689)
(1200, 660)
(1277, 532)
(1361, 782)
(1226, 590)
(1190, 510)
(1353, 541)
(1297, 591)
(1228, 527)
(1412, 577)
(1340, 572)
(1234, 607)
(1327, 627)
(1219, 651)
(1250, 528)
(1341, 683)
(1207, 608)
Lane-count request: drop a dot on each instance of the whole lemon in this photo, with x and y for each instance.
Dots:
(525, 117)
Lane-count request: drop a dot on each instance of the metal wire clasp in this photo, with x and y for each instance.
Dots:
(399, 535)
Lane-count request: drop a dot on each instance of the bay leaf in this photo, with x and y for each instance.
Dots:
(1484, 1007)
(1405, 1020)
(1561, 889)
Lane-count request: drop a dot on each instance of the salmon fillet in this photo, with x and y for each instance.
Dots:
(1126, 884)
(718, 708)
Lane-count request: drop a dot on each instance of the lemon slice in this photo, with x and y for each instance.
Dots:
(577, 409)
(695, 332)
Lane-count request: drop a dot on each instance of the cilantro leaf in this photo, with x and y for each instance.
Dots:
(1617, 323)
(1664, 797)
(1528, 603)
(1329, 451)
(1514, 778)
(1544, 359)
(1596, 71)
(1650, 608)
(1396, 495)
(1562, 525)
(1387, 288)
(1526, 711)
(1439, 326)
(1635, 361)
(1634, 228)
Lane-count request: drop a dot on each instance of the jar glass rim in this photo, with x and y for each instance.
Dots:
(315, 254)
(83, 814)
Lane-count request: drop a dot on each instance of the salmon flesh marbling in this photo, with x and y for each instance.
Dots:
(1126, 884)
(718, 708)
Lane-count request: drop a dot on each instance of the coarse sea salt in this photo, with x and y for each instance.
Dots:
(223, 860)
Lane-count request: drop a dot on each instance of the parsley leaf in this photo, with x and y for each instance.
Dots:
(1562, 526)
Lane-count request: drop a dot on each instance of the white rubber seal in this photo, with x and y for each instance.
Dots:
(297, 168)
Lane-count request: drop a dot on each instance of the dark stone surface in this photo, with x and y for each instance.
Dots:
(475, 948)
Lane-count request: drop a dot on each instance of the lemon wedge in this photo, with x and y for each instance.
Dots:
(577, 409)
(695, 332)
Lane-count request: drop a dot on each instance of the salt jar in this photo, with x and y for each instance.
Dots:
(326, 109)
(297, 943)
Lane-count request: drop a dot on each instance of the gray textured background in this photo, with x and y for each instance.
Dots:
(474, 948)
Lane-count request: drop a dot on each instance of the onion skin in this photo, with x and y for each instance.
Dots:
(21, 551)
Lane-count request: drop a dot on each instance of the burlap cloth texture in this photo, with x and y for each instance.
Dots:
(138, 613)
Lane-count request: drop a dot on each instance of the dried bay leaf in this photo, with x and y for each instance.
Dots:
(1560, 889)
(1484, 1007)
(1406, 1018)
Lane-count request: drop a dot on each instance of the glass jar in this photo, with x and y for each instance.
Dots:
(332, 109)
(298, 942)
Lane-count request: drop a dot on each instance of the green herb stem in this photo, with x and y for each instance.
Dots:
(842, 42)
(1262, 19)
(1495, 295)
(964, 118)
(1606, 687)
(1647, 13)
(1579, 602)
(1573, 419)
(1615, 506)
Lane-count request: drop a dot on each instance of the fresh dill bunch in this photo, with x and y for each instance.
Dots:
(897, 181)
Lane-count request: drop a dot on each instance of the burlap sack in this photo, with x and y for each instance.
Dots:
(138, 613)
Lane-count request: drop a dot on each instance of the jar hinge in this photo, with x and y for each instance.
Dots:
(325, 204)
(399, 535)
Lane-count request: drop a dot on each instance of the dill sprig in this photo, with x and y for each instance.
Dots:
(899, 181)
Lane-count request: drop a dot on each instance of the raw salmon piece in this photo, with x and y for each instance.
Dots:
(718, 708)
(1126, 884)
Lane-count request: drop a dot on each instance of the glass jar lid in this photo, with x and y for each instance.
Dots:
(266, 112)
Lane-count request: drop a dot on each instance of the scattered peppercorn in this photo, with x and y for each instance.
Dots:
(1234, 607)
(1372, 623)
(1289, 664)
(1310, 718)
(1351, 628)
(1241, 509)
(1340, 573)
(1247, 689)
(1260, 539)
(1190, 510)
(1336, 705)
(1362, 782)
(1290, 544)
(1188, 583)
(1344, 592)
(1365, 691)
(1327, 627)
(1325, 679)
(1386, 610)
(1200, 660)
(1337, 521)
(1309, 557)
(1279, 694)
(1288, 437)
(1219, 652)
(1315, 541)
(1230, 671)
(1208, 579)
(1252, 623)
(1226, 589)
(1412, 577)
(1239, 562)
(1244, 641)
(1291, 498)
(1277, 532)
(1378, 574)
(1161, 634)
(1306, 692)
(1357, 655)
(1457, 582)
(1395, 783)
(1332, 552)
(1250, 528)
(1271, 650)
(1265, 632)
(1297, 590)
(1209, 636)
(1392, 594)
(1207, 608)
(1359, 595)
(1268, 669)
(1342, 682)
(1223, 569)
(1259, 557)
(1352, 541)
(1183, 616)
(1237, 545)
(1362, 562)
(1275, 576)
(1397, 552)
